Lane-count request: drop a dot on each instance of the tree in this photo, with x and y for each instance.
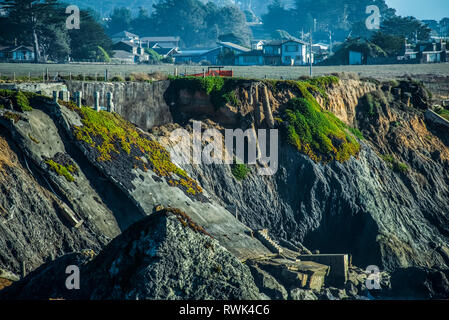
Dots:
(279, 18)
(444, 27)
(198, 24)
(86, 40)
(143, 23)
(231, 20)
(392, 45)
(185, 18)
(120, 20)
(407, 27)
(27, 21)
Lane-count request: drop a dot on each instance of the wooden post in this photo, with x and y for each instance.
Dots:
(97, 101)
(106, 75)
(109, 102)
(70, 76)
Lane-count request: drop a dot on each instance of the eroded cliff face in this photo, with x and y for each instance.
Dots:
(73, 179)
(387, 206)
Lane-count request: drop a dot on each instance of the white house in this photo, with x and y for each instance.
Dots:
(294, 53)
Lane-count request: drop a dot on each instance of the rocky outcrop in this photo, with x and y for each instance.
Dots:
(160, 257)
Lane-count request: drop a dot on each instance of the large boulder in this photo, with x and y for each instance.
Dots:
(164, 256)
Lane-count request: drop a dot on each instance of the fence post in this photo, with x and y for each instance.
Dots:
(109, 102)
(97, 101)
(78, 98)
(106, 75)
(46, 73)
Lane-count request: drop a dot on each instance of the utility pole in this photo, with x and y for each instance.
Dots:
(330, 41)
(310, 56)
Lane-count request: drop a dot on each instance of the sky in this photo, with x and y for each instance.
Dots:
(421, 9)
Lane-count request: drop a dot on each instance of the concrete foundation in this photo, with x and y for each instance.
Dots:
(338, 263)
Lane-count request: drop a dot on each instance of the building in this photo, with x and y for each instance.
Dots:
(125, 36)
(251, 58)
(257, 44)
(196, 56)
(430, 52)
(286, 52)
(124, 51)
(272, 53)
(160, 42)
(18, 53)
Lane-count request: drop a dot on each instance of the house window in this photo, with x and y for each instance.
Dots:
(291, 48)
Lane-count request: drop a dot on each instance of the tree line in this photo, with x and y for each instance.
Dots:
(198, 24)
(42, 24)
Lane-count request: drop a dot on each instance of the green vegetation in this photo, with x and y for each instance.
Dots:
(318, 133)
(112, 136)
(65, 171)
(19, 99)
(240, 171)
(395, 165)
(443, 112)
(220, 89)
(15, 117)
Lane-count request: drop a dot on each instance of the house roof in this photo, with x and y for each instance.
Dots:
(164, 51)
(195, 53)
(15, 48)
(128, 43)
(233, 46)
(160, 39)
(121, 54)
(125, 34)
(277, 43)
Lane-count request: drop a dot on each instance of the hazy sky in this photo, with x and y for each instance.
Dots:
(421, 9)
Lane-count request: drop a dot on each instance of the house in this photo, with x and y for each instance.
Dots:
(251, 58)
(125, 36)
(160, 42)
(197, 56)
(272, 53)
(430, 52)
(295, 53)
(126, 49)
(18, 53)
(286, 52)
(257, 44)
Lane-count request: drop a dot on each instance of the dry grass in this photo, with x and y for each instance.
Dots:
(7, 157)
(4, 283)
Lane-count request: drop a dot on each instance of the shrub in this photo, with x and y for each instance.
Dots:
(117, 79)
(61, 169)
(318, 133)
(395, 165)
(240, 171)
(20, 99)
